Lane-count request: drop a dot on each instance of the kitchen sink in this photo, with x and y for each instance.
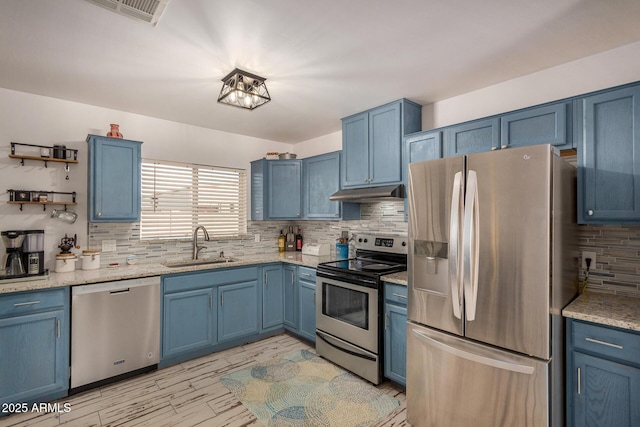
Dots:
(205, 261)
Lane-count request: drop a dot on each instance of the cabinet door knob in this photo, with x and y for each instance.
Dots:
(504, 147)
(590, 212)
(99, 214)
(494, 148)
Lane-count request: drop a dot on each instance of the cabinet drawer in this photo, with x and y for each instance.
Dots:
(609, 342)
(306, 273)
(31, 302)
(395, 293)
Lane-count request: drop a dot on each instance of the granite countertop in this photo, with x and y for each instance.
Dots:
(606, 309)
(106, 274)
(399, 278)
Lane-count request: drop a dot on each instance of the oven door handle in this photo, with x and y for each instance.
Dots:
(344, 350)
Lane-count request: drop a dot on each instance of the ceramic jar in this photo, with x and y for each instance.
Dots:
(90, 259)
(115, 131)
(65, 263)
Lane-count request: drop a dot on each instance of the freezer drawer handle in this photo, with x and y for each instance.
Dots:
(500, 364)
(604, 343)
(400, 296)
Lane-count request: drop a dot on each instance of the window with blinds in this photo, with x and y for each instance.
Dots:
(177, 197)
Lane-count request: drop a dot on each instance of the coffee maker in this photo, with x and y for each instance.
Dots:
(13, 266)
(33, 252)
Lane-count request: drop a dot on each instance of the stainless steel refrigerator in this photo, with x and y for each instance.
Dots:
(491, 264)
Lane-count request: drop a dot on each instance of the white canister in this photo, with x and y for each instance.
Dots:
(65, 263)
(90, 259)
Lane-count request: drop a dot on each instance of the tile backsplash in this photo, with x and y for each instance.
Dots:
(617, 248)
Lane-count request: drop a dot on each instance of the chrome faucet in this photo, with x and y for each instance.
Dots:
(197, 248)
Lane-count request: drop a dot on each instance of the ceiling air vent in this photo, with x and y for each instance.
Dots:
(148, 11)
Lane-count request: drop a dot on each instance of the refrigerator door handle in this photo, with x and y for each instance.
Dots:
(455, 261)
(495, 363)
(470, 245)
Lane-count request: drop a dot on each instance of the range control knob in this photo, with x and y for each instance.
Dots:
(360, 240)
(365, 240)
(404, 243)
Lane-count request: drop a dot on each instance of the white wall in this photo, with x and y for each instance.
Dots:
(320, 145)
(601, 71)
(33, 119)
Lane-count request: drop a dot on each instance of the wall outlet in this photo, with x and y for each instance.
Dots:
(108, 246)
(586, 255)
(257, 237)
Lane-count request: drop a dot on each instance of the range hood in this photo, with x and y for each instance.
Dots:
(370, 194)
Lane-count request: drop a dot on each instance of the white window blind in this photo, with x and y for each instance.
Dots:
(177, 197)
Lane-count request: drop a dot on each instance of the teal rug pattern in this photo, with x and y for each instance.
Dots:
(303, 389)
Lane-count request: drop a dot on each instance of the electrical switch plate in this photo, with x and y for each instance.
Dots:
(257, 237)
(586, 255)
(108, 246)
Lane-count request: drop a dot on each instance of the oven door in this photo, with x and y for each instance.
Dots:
(348, 311)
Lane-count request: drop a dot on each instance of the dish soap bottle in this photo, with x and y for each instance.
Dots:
(281, 240)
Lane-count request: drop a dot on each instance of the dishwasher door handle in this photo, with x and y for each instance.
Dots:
(121, 291)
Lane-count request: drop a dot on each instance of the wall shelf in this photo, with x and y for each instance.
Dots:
(26, 197)
(72, 160)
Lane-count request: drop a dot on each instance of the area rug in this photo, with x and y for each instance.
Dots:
(303, 389)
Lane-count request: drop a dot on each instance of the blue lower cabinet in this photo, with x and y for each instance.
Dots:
(272, 297)
(204, 309)
(290, 298)
(189, 321)
(238, 310)
(603, 376)
(307, 310)
(395, 333)
(34, 347)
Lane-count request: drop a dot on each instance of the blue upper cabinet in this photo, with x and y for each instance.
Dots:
(541, 125)
(321, 176)
(276, 189)
(285, 192)
(372, 143)
(419, 147)
(608, 141)
(472, 137)
(259, 207)
(355, 150)
(114, 179)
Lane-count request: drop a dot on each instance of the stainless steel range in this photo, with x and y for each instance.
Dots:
(349, 308)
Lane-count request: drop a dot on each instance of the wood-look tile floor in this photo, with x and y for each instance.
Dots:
(187, 394)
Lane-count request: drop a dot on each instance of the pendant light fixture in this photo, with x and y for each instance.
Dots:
(244, 90)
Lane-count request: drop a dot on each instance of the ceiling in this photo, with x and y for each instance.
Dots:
(323, 60)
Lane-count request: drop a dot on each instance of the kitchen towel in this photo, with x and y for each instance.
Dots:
(303, 389)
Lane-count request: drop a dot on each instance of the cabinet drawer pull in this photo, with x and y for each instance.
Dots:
(399, 296)
(306, 274)
(604, 343)
(20, 304)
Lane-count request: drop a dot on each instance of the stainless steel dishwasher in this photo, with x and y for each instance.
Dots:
(115, 330)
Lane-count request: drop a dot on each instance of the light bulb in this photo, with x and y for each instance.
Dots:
(247, 101)
(232, 96)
